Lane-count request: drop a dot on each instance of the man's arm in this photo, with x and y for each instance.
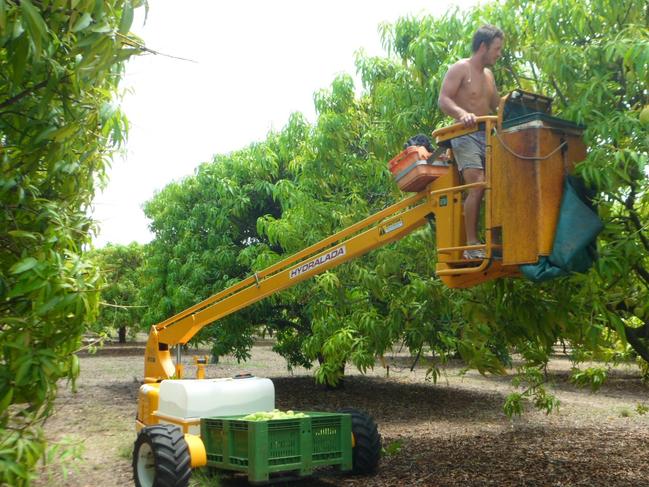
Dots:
(494, 99)
(450, 87)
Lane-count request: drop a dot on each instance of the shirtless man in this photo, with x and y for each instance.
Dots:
(469, 91)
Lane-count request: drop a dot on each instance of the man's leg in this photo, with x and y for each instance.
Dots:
(472, 204)
(469, 154)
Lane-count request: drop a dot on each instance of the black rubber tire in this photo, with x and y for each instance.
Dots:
(367, 450)
(165, 445)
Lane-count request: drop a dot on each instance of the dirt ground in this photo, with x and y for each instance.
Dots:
(452, 433)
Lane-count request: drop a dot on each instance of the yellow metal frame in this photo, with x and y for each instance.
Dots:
(441, 201)
(197, 452)
(184, 423)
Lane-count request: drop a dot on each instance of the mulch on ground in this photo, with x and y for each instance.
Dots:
(449, 434)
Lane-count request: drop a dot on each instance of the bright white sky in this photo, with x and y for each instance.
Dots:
(256, 63)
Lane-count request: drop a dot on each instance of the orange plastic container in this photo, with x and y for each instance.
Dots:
(419, 175)
(400, 163)
(412, 173)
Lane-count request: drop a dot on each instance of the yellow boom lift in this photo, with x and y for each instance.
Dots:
(528, 155)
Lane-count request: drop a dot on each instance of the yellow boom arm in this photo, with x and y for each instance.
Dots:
(379, 229)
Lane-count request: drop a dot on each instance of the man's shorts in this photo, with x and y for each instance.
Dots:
(469, 150)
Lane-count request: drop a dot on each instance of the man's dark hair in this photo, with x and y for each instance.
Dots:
(419, 139)
(487, 33)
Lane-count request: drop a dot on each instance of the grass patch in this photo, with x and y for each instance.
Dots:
(392, 448)
(125, 450)
(203, 477)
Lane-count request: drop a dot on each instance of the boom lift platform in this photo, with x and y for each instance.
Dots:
(528, 154)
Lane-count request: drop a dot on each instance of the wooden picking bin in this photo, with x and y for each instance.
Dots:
(533, 155)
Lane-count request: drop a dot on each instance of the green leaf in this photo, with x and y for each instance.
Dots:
(19, 59)
(82, 22)
(89, 40)
(619, 327)
(35, 25)
(64, 132)
(13, 320)
(17, 29)
(513, 405)
(74, 366)
(48, 305)
(127, 18)
(45, 135)
(50, 368)
(6, 399)
(102, 28)
(25, 287)
(3, 15)
(22, 233)
(24, 265)
(23, 370)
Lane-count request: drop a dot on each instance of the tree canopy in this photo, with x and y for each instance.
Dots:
(120, 307)
(60, 65)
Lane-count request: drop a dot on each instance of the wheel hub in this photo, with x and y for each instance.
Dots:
(145, 465)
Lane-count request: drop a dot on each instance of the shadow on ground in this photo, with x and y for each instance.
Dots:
(389, 401)
(532, 457)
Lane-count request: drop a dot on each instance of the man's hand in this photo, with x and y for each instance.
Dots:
(467, 119)
(423, 153)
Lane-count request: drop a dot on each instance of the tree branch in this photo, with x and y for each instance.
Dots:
(643, 331)
(412, 367)
(636, 342)
(642, 272)
(635, 336)
(131, 42)
(17, 113)
(629, 203)
(23, 94)
(626, 16)
(556, 87)
(120, 306)
(536, 75)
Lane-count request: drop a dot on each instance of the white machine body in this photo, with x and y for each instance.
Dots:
(201, 398)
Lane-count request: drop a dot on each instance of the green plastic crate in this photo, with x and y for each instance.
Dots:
(262, 448)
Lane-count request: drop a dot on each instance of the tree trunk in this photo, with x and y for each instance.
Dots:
(122, 334)
(639, 345)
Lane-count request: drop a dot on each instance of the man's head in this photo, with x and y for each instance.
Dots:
(487, 43)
